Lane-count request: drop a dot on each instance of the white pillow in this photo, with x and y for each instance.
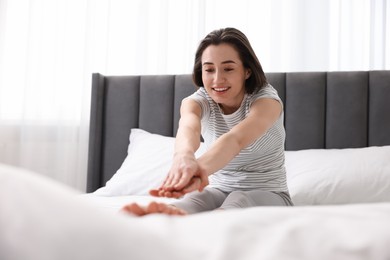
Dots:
(339, 176)
(149, 158)
(315, 177)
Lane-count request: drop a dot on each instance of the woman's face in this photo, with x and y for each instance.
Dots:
(223, 76)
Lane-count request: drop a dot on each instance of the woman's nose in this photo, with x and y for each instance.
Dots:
(219, 77)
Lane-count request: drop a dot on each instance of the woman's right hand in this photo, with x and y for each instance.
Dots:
(184, 176)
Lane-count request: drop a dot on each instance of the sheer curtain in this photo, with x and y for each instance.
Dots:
(50, 48)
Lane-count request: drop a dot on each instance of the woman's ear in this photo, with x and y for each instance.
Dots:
(248, 73)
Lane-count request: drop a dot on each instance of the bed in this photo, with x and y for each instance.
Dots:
(338, 170)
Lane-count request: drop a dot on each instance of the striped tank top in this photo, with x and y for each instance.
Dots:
(258, 166)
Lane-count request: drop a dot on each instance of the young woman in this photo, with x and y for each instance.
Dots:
(240, 117)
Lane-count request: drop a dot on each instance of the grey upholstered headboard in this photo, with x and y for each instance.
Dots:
(322, 110)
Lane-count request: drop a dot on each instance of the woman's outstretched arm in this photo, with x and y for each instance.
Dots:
(185, 174)
(262, 115)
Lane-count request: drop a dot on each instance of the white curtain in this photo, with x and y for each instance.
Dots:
(50, 48)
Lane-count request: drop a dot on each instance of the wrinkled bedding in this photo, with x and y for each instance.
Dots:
(41, 219)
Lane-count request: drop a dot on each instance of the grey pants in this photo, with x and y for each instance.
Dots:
(213, 198)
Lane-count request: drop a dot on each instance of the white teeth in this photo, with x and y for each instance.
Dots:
(220, 89)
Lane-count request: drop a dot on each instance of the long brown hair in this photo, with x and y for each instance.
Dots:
(241, 44)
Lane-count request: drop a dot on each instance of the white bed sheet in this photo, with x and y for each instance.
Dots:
(115, 203)
(41, 219)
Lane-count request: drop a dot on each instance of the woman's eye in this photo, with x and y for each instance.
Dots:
(228, 69)
(209, 70)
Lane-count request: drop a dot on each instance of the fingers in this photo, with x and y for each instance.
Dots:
(176, 182)
(177, 194)
(183, 181)
(163, 208)
(179, 180)
(197, 180)
(155, 193)
(134, 208)
(167, 194)
(167, 184)
(167, 181)
(153, 208)
(194, 184)
(183, 169)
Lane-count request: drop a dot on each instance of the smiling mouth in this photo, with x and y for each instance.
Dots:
(220, 89)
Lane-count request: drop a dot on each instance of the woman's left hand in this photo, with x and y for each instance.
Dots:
(193, 185)
(184, 177)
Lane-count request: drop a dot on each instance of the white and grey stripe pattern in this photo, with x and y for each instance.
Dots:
(261, 164)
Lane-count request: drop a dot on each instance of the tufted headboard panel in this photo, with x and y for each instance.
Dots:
(323, 110)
